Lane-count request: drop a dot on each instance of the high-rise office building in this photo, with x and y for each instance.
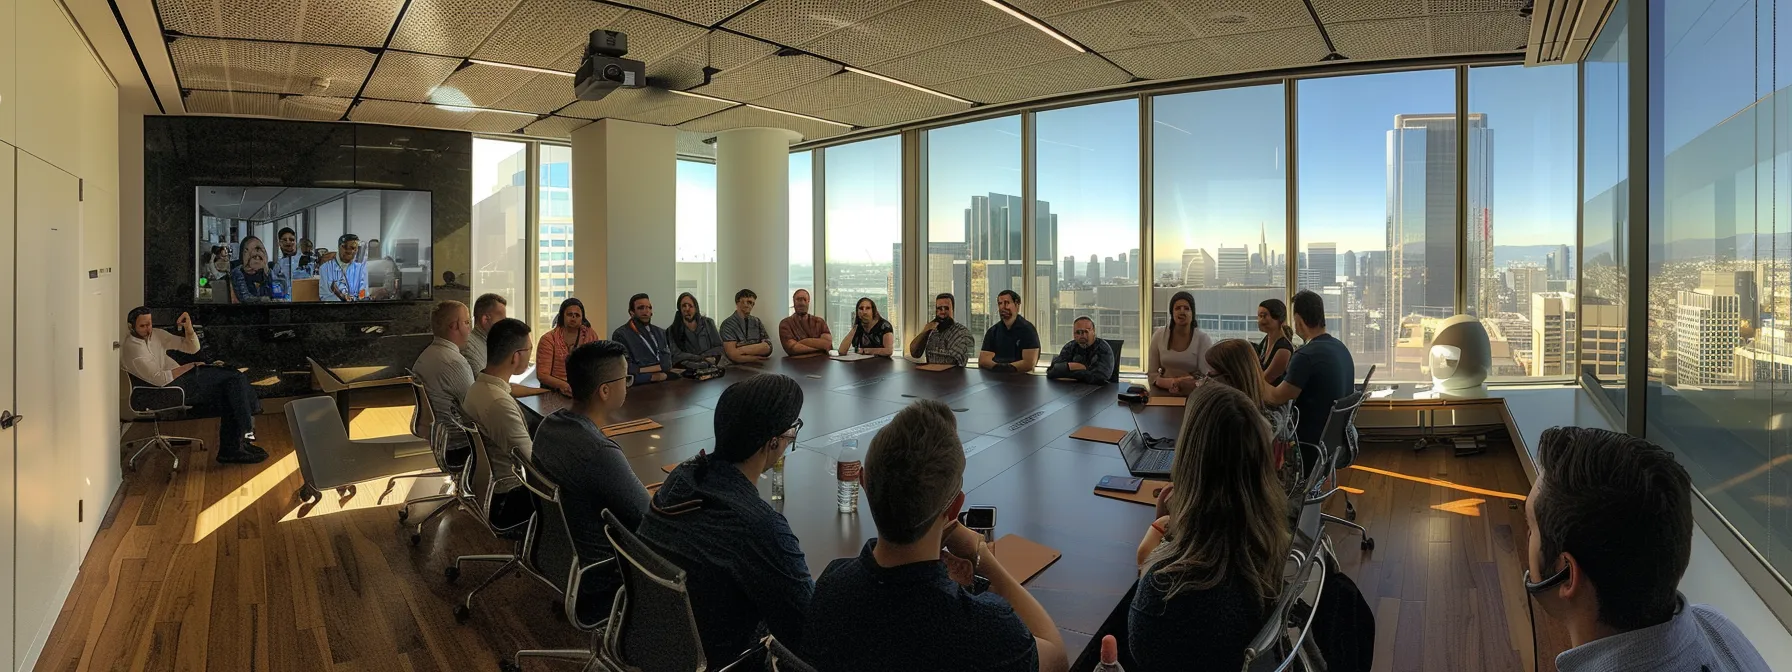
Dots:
(1553, 327)
(1234, 265)
(1526, 280)
(1198, 269)
(1347, 267)
(1602, 337)
(1707, 329)
(1094, 274)
(997, 254)
(1421, 219)
(1069, 269)
(1321, 265)
(1564, 266)
(1132, 266)
(1112, 268)
(1739, 283)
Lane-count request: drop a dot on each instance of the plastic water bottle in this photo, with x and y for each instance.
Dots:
(778, 479)
(1110, 656)
(847, 470)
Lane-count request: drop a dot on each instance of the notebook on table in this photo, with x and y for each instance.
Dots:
(1099, 435)
(1166, 401)
(1023, 557)
(630, 427)
(1146, 495)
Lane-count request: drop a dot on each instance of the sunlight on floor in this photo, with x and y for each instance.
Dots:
(1467, 507)
(1439, 483)
(234, 503)
(366, 495)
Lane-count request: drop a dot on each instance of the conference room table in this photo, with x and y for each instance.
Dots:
(1019, 455)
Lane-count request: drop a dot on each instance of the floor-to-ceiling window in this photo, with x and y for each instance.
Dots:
(1220, 206)
(973, 214)
(1604, 275)
(500, 219)
(553, 279)
(1719, 356)
(1520, 243)
(694, 235)
(802, 224)
(864, 233)
(1377, 187)
(1087, 207)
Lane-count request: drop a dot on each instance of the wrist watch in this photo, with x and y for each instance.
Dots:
(979, 582)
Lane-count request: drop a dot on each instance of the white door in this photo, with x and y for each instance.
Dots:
(49, 212)
(7, 282)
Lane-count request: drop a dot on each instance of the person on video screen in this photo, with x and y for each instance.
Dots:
(344, 278)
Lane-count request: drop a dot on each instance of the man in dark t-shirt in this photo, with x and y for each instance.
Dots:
(1011, 344)
(903, 604)
(1320, 373)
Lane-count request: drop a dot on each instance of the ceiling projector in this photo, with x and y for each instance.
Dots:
(604, 69)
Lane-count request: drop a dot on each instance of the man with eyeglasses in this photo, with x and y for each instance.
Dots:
(593, 475)
(500, 416)
(744, 565)
(1085, 359)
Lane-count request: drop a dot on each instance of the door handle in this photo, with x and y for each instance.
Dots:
(8, 420)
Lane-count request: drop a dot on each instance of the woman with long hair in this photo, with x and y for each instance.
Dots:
(251, 282)
(1178, 350)
(870, 334)
(693, 334)
(1277, 346)
(1211, 565)
(570, 331)
(1234, 363)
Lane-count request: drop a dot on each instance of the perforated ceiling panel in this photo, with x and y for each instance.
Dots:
(861, 101)
(430, 116)
(743, 117)
(481, 85)
(539, 32)
(767, 76)
(316, 108)
(1302, 45)
(449, 27)
(1492, 32)
(554, 127)
(1331, 11)
(1381, 38)
(1177, 59)
(540, 94)
(692, 144)
(683, 69)
(706, 12)
(225, 102)
(1075, 72)
(405, 76)
(1006, 50)
(361, 23)
(650, 38)
(795, 22)
(910, 28)
(267, 67)
(647, 106)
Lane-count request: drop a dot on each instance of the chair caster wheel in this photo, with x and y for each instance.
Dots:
(461, 613)
(310, 495)
(417, 539)
(451, 573)
(1368, 544)
(508, 665)
(404, 514)
(345, 491)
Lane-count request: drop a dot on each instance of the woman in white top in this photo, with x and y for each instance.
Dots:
(1178, 350)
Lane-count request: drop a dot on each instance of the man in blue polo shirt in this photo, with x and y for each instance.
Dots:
(649, 349)
(1011, 344)
(1320, 373)
(902, 605)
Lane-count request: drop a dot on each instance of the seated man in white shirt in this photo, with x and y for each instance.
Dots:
(445, 375)
(500, 417)
(210, 389)
(1610, 519)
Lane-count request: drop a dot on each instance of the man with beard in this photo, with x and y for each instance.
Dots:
(804, 334)
(649, 350)
(943, 341)
(1011, 344)
(694, 336)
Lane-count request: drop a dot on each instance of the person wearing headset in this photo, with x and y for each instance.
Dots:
(649, 349)
(570, 331)
(1610, 534)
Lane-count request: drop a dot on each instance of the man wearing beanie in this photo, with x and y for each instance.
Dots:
(743, 564)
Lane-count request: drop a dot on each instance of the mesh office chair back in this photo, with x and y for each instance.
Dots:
(483, 483)
(1278, 647)
(652, 626)
(1336, 435)
(548, 550)
(783, 659)
(423, 419)
(1115, 344)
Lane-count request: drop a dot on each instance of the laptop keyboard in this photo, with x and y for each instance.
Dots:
(1156, 460)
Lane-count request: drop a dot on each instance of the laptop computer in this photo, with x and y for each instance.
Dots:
(1147, 456)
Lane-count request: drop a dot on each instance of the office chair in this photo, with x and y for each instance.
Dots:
(1286, 639)
(1115, 344)
(550, 555)
(484, 484)
(1338, 452)
(782, 659)
(448, 466)
(153, 404)
(1364, 388)
(651, 624)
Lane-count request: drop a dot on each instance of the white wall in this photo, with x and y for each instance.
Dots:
(624, 185)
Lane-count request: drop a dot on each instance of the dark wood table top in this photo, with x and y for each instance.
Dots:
(1020, 458)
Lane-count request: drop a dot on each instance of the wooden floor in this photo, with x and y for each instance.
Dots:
(219, 567)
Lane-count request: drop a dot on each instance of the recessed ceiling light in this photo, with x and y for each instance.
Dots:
(703, 97)
(461, 108)
(800, 116)
(899, 82)
(998, 4)
(514, 66)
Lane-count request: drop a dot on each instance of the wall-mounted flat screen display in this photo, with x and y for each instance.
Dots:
(299, 245)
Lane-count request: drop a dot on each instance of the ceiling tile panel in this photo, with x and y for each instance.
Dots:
(540, 32)
(1491, 32)
(362, 23)
(406, 76)
(908, 29)
(422, 114)
(1046, 8)
(795, 22)
(692, 144)
(861, 101)
(554, 127)
(1381, 38)
(449, 27)
(1123, 25)
(706, 12)
(742, 117)
(650, 38)
(723, 51)
(267, 67)
(1356, 10)
(482, 85)
(1075, 72)
(1016, 47)
(540, 94)
(1287, 47)
(316, 108)
(1174, 60)
(767, 76)
(226, 102)
(645, 105)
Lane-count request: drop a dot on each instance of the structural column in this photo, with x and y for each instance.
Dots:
(624, 189)
(753, 218)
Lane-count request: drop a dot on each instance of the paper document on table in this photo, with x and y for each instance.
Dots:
(1167, 401)
(1023, 557)
(851, 357)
